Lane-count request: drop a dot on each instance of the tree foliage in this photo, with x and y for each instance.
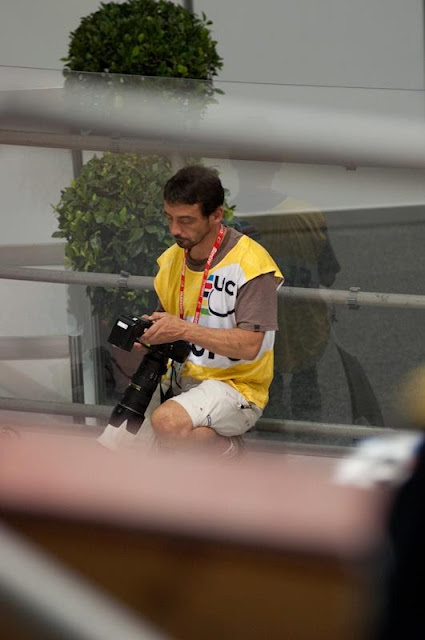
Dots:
(112, 218)
(144, 37)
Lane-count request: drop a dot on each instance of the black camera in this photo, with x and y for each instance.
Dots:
(126, 331)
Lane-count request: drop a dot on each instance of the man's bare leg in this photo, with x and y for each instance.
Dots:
(174, 430)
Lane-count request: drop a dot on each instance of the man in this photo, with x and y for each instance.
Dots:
(217, 290)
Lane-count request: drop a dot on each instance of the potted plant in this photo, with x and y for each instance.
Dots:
(144, 38)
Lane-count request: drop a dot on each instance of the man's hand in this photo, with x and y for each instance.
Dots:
(165, 328)
(239, 344)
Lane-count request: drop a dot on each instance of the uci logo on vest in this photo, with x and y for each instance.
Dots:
(219, 297)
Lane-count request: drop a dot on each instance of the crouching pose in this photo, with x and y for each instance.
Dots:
(217, 290)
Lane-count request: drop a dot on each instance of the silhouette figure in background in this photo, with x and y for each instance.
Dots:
(295, 234)
(302, 249)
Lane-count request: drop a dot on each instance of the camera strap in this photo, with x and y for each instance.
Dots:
(167, 395)
(208, 263)
(170, 391)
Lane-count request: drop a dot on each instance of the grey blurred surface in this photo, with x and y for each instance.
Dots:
(378, 251)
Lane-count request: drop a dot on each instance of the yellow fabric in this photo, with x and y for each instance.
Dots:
(249, 381)
(245, 261)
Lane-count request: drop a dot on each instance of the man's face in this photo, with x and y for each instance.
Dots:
(187, 224)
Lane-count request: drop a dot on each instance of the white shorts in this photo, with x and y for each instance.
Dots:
(215, 404)
(210, 403)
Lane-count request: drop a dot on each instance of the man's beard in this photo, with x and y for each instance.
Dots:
(184, 243)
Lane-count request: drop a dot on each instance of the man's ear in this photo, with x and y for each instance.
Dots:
(218, 214)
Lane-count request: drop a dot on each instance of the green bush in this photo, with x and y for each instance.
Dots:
(144, 37)
(112, 218)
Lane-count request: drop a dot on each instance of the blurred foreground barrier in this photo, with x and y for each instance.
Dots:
(68, 608)
(236, 127)
(261, 547)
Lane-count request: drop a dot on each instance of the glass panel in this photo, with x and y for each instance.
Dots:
(38, 346)
(343, 364)
(330, 180)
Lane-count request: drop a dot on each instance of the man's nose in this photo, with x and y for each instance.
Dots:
(174, 228)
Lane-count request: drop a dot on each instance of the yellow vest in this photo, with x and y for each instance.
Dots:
(245, 261)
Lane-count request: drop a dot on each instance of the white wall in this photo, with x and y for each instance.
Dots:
(366, 43)
(36, 34)
(30, 182)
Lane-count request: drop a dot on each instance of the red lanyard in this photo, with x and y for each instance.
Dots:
(214, 250)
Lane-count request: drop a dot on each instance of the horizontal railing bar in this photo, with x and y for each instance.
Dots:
(76, 277)
(102, 412)
(77, 410)
(356, 299)
(353, 298)
(319, 428)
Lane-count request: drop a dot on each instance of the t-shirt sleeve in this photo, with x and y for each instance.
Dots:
(256, 304)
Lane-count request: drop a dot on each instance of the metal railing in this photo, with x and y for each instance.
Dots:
(103, 412)
(353, 297)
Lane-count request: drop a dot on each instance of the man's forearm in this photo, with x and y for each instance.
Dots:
(233, 343)
(240, 344)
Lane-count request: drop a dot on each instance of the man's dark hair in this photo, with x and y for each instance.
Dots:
(195, 184)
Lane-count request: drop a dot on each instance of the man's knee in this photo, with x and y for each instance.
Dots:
(170, 419)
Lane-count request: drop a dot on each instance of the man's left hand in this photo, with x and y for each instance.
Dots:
(165, 328)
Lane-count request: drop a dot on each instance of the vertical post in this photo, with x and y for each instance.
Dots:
(96, 340)
(188, 5)
(77, 162)
(75, 348)
(98, 361)
(77, 376)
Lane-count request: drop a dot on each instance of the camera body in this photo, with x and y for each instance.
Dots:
(131, 408)
(128, 329)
